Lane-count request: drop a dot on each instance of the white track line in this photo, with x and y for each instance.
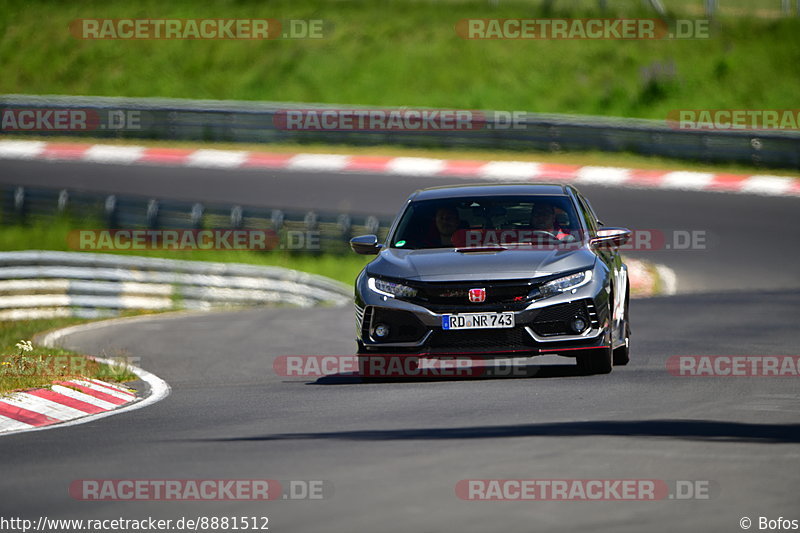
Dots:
(101, 153)
(216, 159)
(415, 166)
(21, 149)
(509, 170)
(318, 162)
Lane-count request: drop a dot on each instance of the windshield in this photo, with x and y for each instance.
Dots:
(475, 222)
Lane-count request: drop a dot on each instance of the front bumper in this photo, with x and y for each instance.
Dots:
(540, 328)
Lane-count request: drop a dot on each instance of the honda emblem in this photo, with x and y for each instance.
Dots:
(477, 295)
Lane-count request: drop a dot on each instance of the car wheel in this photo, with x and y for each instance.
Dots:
(622, 354)
(595, 361)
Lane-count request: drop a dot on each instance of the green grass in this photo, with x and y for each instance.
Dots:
(41, 366)
(407, 53)
(52, 235)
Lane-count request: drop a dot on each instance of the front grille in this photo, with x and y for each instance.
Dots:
(507, 339)
(507, 294)
(359, 317)
(366, 322)
(555, 320)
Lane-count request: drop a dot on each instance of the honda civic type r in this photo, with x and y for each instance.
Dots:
(511, 270)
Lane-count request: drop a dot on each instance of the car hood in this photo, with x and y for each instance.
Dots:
(450, 265)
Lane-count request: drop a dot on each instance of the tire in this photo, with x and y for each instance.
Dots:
(597, 361)
(622, 355)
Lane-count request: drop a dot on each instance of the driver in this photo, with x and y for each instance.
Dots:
(543, 218)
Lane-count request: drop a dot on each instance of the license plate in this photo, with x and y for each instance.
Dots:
(478, 321)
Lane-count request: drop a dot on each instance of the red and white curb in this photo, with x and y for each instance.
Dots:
(64, 401)
(761, 184)
(78, 401)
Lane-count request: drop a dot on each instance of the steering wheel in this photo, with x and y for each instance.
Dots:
(546, 234)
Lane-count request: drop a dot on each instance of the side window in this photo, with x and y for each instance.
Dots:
(588, 215)
(595, 218)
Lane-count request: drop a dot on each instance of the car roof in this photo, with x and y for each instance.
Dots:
(490, 189)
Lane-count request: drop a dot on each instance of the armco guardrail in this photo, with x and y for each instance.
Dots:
(236, 121)
(297, 231)
(45, 284)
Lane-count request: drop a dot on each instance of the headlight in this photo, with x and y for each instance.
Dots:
(557, 286)
(390, 288)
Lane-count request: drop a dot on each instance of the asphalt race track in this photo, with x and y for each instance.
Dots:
(394, 451)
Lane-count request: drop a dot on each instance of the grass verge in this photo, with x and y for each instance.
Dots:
(407, 53)
(41, 366)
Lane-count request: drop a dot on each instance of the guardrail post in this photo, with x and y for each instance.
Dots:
(658, 6)
(277, 219)
(63, 200)
(196, 216)
(312, 235)
(373, 225)
(345, 227)
(152, 214)
(237, 217)
(111, 212)
(20, 205)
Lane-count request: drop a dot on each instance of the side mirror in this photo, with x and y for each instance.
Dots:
(365, 244)
(613, 237)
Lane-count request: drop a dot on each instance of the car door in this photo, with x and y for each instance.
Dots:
(619, 273)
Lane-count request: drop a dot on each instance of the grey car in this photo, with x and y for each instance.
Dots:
(489, 270)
